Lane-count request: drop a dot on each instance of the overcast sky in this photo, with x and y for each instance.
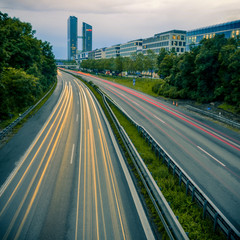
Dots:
(117, 21)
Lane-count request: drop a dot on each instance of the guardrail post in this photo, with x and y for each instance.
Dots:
(204, 209)
(180, 178)
(187, 185)
(229, 234)
(215, 222)
(174, 168)
(193, 192)
(163, 157)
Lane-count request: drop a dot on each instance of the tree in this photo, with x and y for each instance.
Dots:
(20, 88)
(119, 64)
(207, 67)
(139, 64)
(27, 66)
(150, 61)
(166, 65)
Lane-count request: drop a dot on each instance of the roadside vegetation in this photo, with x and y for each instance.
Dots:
(207, 73)
(190, 215)
(27, 68)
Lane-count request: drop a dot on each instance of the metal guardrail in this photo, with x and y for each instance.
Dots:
(197, 194)
(9, 128)
(169, 220)
(209, 208)
(214, 116)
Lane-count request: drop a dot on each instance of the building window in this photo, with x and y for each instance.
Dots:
(177, 49)
(174, 37)
(180, 43)
(178, 37)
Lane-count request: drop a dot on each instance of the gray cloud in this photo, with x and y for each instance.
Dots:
(118, 21)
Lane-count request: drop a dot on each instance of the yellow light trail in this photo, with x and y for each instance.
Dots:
(65, 104)
(108, 166)
(26, 171)
(45, 168)
(33, 145)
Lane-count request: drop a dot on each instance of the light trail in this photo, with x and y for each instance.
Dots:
(171, 111)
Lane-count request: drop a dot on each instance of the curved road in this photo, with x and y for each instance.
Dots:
(72, 182)
(208, 152)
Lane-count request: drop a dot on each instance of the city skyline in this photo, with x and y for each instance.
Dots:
(119, 21)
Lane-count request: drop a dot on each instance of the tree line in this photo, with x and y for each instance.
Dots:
(135, 63)
(208, 72)
(27, 66)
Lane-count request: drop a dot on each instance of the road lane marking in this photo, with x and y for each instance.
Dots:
(158, 118)
(43, 141)
(211, 156)
(13, 174)
(37, 188)
(112, 185)
(139, 207)
(77, 118)
(71, 161)
(45, 168)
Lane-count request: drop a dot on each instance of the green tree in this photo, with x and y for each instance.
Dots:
(20, 88)
(27, 65)
(150, 61)
(166, 65)
(139, 64)
(118, 64)
(207, 67)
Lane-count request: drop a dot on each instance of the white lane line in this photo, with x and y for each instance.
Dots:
(77, 118)
(211, 156)
(139, 207)
(158, 118)
(73, 147)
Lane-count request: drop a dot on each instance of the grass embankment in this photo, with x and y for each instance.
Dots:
(141, 84)
(189, 213)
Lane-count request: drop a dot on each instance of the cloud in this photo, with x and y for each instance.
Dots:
(118, 21)
(83, 6)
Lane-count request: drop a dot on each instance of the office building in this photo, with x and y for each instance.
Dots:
(72, 37)
(113, 52)
(128, 48)
(91, 54)
(100, 53)
(86, 37)
(171, 40)
(229, 29)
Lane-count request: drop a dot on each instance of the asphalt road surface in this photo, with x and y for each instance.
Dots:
(207, 152)
(69, 179)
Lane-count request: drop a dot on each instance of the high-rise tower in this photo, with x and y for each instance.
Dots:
(72, 37)
(86, 37)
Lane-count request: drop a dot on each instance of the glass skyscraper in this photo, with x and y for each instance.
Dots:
(72, 37)
(86, 37)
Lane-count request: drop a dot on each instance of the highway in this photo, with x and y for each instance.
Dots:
(209, 153)
(71, 182)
